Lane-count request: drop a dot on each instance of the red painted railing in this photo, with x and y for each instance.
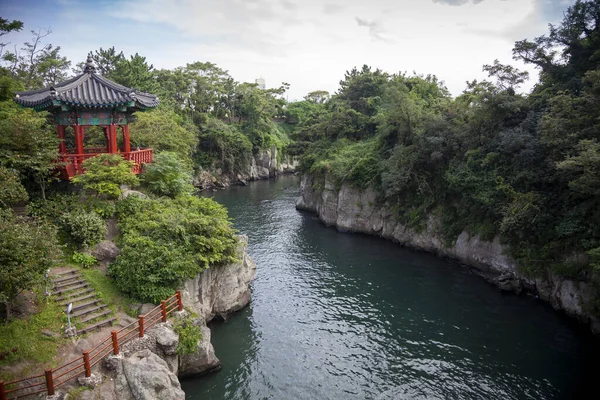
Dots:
(52, 378)
(73, 162)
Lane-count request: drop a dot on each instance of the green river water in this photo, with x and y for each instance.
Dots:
(345, 316)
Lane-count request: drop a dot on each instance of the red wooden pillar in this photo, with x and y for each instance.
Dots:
(105, 129)
(126, 139)
(62, 147)
(49, 382)
(179, 302)
(141, 325)
(113, 139)
(115, 342)
(78, 139)
(86, 364)
(163, 309)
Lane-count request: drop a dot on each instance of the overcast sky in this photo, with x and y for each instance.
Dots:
(307, 43)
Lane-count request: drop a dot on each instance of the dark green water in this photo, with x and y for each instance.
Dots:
(343, 316)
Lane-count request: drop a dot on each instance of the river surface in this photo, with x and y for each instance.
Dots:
(345, 316)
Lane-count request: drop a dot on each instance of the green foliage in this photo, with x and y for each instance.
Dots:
(84, 259)
(11, 189)
(492, 162)
(28, 144)
(346, 161)
(167, 176)
(85, 229)
(227, 145)
(21, 340)
(189, 335)
(164, 130)
(27, 250)
(54, 206)
(105, 173)
(166, 241)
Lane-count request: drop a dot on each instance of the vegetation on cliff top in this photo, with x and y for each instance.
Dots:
(494, 161)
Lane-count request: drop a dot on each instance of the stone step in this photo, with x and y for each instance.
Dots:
(65, 273)
(90, 295)
(70, 296)
(69, 283)
(95, 316)
(69, 289)
(108, 321)
(67, 278)
(87, 311)
(86, 304)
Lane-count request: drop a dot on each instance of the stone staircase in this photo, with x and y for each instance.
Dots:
(88, 308)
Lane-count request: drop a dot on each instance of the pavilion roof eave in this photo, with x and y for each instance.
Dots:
(87, 90)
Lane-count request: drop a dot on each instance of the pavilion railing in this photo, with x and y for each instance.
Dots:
(53, 378)
(73, 162)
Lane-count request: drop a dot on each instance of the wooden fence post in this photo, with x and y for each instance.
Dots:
(86, 364)
(163, 308)
(179, 302)
(49, 382)
(115, 342)
(2, 391)
(141, 324)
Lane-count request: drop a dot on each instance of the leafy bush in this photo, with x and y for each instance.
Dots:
(54, 206)
(27, 250)
(86, 260)
(189, 335)
(105, 173)
(167, 175)
(11, 190)
(84, 228)
(164, 130)
(166, 241)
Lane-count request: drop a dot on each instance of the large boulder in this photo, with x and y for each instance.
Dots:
(106, 251)
(146, 376)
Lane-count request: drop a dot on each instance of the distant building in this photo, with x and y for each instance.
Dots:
(261, 83)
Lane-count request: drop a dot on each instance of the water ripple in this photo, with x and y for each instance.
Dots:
(343, 316)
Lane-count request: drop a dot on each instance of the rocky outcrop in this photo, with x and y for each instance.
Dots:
(263, 165)
(221, 290)
(146, 376)
(354, 210)
(216, 292)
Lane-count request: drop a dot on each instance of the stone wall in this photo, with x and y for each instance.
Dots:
(354, 210)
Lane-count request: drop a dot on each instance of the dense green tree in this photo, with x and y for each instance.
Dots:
(11, 189)
(28, 144)
(27, 250)
(164, 130)
(168, 175)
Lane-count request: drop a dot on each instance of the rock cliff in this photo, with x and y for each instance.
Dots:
(263, 165)
(216, 292)
(354, 210)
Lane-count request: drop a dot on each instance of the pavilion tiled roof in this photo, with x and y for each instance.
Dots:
(88, 90)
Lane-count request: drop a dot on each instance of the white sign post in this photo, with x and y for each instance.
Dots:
(69, 308)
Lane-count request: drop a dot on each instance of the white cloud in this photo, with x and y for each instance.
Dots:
(310, 44)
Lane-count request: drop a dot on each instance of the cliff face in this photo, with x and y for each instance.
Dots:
(216, 292)
(353, 210)
(263, 165)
